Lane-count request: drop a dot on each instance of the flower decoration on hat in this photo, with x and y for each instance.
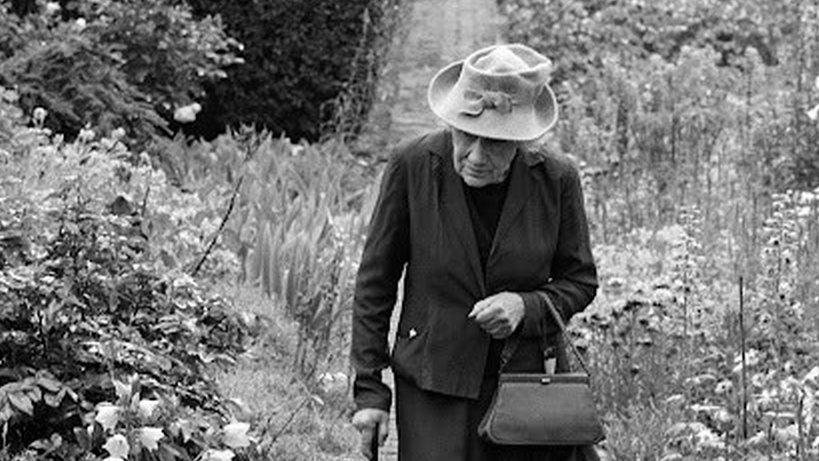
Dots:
(477, 101)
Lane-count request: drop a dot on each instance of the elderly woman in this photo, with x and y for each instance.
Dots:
(483, 225)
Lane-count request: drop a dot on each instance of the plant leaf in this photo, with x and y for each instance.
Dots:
(21, 402)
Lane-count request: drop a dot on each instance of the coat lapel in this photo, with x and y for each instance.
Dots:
(516, 197)
(454, 211)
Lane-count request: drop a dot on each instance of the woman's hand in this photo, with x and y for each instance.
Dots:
(367, 421)
(499, 314)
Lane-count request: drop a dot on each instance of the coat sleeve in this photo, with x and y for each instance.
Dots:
(385, 252)
(573, 282)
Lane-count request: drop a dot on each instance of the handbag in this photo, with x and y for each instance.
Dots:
(542, 408)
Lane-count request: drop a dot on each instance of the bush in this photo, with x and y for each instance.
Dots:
(299, 55)
(101, 348)
(111, 64)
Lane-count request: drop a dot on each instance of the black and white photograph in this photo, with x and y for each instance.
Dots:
(409, 230)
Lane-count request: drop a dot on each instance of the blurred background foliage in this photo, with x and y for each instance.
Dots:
(302, 56)
(133, 64)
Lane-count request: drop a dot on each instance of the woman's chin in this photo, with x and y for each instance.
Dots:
(477, 181)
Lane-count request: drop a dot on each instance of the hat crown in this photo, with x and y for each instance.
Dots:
(511, 59)
(500, 61)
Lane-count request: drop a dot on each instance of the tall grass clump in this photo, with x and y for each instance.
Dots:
(295, 218)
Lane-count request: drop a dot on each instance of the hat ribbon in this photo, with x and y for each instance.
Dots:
(477, 101)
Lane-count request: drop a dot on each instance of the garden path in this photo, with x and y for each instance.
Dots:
(433, 34)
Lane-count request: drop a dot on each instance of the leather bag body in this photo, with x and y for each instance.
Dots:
(542, 408)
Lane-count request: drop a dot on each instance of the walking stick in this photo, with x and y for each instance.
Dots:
(374, 446)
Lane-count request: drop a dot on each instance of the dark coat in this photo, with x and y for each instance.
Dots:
(421, 221)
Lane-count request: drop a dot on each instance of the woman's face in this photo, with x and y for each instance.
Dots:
(481, 161)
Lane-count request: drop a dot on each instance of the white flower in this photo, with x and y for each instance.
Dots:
(39, 114)
(330, 382)
(147, 407)
(107, 415)
(236, 435)
(118, 133)
(86, 135)
(149, 437)
(117, 446)
(813, 113)
(218, 455)
(52, 7)
(812, 376)
(187, 114)
(724, 387)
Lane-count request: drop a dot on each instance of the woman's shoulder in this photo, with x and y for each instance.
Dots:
(555, 164)
(419, 146)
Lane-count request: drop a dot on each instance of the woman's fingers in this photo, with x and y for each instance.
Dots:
(495, 314)
(368, 421)
(480, 307)
(495, 323)
(490, 314)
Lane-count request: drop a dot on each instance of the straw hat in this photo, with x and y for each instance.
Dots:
(499, 92)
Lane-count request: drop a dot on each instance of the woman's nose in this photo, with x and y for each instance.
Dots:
(478, 154)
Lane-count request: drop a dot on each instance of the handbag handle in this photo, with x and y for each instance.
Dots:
(559, 319)
(511, 344)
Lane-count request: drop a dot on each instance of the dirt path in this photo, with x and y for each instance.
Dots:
(434, 34)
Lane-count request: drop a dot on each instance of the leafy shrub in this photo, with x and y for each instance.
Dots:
(111, 64)
(664, 343)
(84, 309)
(299, 55)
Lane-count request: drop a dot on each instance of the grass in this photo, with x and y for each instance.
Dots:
(294, 419)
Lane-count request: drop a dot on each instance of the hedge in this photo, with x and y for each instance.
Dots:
(299, 56)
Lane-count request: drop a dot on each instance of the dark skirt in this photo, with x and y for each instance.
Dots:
(438, 427)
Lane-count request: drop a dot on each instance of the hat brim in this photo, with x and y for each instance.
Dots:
(522, 124)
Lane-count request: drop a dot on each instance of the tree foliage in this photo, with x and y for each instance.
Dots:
(111, 64)
(579, 34)
(299, 55)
